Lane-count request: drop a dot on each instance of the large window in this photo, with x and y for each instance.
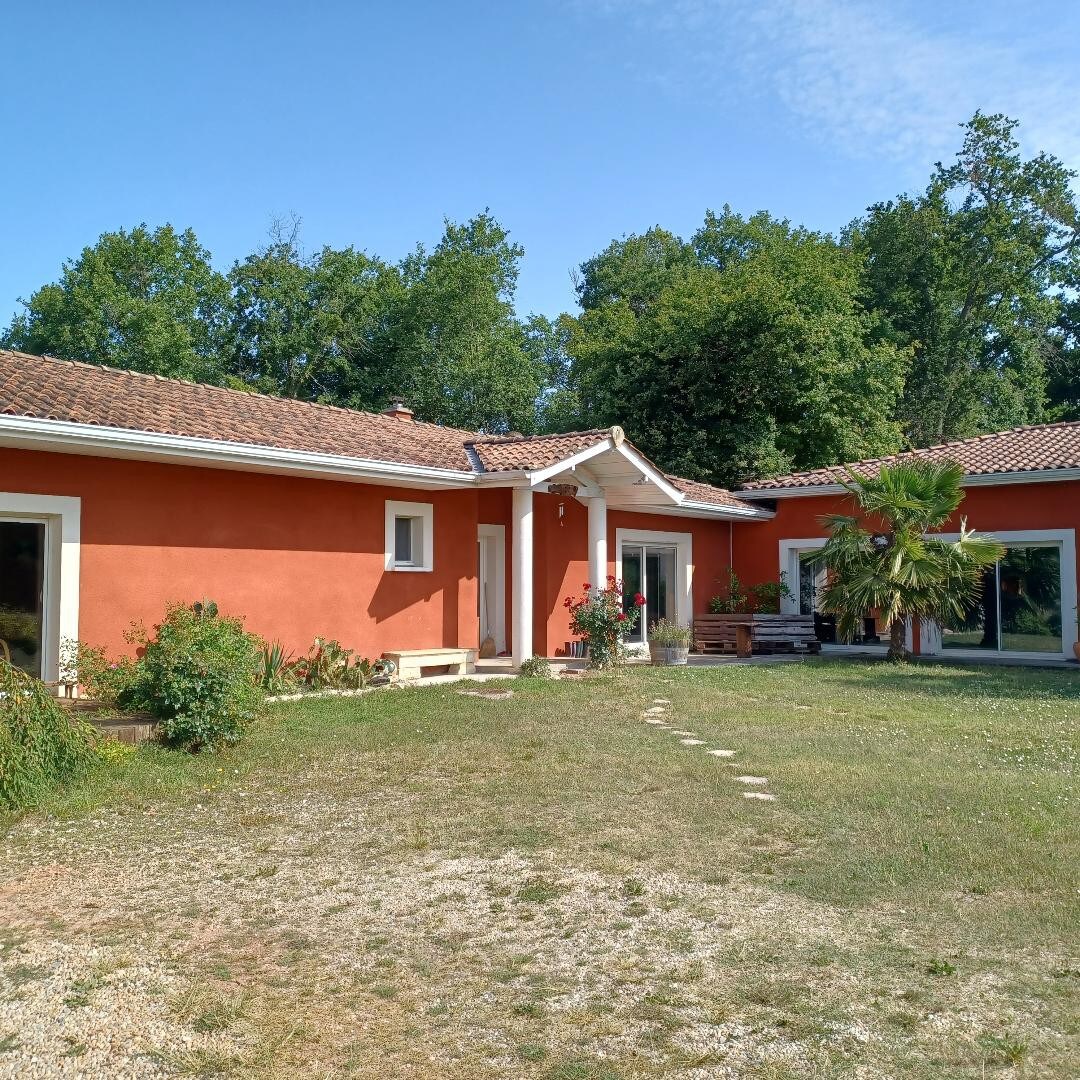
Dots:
(22, 593)
(1019, 606)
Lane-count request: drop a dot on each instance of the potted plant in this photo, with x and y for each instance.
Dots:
(669, 643)
(1076, 644)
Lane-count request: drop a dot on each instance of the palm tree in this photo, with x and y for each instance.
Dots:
(883, 559)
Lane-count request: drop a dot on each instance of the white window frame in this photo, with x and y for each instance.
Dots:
(1063, 539)
(61, 515)
(425, 512)
(683, 542)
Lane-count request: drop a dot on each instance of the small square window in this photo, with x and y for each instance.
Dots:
(409, 536)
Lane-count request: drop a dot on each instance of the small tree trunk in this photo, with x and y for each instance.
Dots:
(897, 649)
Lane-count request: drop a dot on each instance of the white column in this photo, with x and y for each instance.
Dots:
(598, 542)
(522, 597)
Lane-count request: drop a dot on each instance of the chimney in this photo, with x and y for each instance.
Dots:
(398, 409)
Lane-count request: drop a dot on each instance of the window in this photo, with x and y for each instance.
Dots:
(409, 536)
(1018, 607)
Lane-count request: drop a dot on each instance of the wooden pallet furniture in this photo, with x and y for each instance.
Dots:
(745, 635)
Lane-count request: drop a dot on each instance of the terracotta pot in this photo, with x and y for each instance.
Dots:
(1076, 649)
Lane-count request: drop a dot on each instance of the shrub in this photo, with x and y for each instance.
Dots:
(763, 598)
(670, 635)
(276, 673)
(199, 674)
(329, 666)
(40, 744)
(536, 667)
(600, 617)
(101, 679)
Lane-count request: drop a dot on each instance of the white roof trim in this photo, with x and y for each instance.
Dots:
(62, 436)
(603, 444)
(658, 478)
(1022, 476)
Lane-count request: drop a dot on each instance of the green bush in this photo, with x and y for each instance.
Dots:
(669, 634)
(535, 667)
(199, 674)
(40, 744)
(101, 679)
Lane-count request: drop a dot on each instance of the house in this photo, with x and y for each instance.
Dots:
(1023, 486)
(122, 491)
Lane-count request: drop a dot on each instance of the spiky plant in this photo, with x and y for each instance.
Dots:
(882, 558)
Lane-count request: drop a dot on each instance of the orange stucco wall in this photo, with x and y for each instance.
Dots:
(562, 563)
(1008, 507)
(297, 557)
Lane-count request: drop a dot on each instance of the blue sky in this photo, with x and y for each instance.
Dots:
(574, 121)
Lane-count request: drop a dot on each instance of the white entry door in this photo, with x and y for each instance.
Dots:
(491, 584)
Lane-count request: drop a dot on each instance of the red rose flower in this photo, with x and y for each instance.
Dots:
(639, 600)
(622, 616)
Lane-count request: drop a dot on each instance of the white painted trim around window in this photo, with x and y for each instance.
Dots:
(425, 512)
(62, 517)
(684, 564)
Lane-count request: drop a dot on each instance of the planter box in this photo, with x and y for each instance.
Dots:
(762, 633)
(665, 656)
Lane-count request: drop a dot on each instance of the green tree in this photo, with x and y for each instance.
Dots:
(460, 355)
(143, 300)
(318, 328)
(740, 354)
(969, 276)
(881, 558)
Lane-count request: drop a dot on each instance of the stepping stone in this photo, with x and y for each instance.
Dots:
(674, 732)
(656, 710)
(488, 695)
(764, 796)
(661, 701)
(757, 781)
(721, 753)
(655, 721)
(692, 742)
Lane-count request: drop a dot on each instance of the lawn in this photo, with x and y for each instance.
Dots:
(422, 883)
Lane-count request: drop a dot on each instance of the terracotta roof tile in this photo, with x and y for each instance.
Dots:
(501, 453)
(706, 493)
(50, 389)
(1023, 449)
(87, 394)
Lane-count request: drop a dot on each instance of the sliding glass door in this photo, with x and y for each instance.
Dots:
(649, 569)
(22, 592)
(1018, 608)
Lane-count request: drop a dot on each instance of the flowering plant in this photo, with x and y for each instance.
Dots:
(602, 619)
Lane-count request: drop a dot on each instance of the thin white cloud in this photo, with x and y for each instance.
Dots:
(870, 79)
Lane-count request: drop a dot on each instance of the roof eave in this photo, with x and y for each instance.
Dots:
(1020, 476)
(61, 436)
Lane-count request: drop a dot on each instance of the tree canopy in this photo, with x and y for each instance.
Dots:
(753, 347)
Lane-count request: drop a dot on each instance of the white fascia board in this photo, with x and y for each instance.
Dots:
(540, 476)
(708, 510)
(665, 485)
(64, 437)
(1030, 476)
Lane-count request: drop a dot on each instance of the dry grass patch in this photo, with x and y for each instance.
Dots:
(544, 886)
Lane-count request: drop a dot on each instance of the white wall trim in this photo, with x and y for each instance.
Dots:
(62, 515)
(426, 513)
(497, 535)
(684, 564)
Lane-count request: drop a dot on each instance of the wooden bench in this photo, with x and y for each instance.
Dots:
(417, 663)
(761, 634)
